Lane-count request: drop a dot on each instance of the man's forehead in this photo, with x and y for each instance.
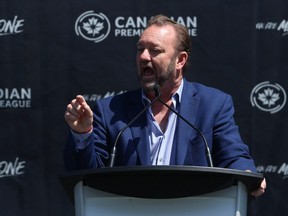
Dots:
(157, 33)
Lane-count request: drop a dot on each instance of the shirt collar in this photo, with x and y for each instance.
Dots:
(176, 97)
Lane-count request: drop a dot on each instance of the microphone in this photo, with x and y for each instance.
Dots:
(208, 154)
(113, 154)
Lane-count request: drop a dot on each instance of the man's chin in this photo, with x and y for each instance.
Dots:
(148, 87)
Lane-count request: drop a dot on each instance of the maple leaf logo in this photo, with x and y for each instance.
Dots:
(268, 97)
(93, 26)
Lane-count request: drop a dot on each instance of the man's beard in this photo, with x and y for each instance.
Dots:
(161, 78)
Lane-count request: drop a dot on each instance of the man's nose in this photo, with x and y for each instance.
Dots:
(145, 55)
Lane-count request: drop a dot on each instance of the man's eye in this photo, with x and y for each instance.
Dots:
(156, 50)
(139, 49)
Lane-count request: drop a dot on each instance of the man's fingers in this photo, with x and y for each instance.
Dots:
(71, 113)
(261, 189)
(79, 115)
(83, 105)
(258, 192)
(80, 99)
(77, 105)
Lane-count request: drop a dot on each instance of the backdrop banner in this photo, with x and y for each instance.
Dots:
(50, 51)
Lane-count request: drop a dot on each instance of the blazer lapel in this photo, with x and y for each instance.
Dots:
(184, 132)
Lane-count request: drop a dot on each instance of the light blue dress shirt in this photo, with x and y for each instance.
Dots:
(161, 142)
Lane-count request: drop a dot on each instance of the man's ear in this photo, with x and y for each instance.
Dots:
(181, 60)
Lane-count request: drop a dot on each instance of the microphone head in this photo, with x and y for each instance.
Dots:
(156, 89)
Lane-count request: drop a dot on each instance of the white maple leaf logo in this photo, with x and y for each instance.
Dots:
(268, 97)
(93, 26)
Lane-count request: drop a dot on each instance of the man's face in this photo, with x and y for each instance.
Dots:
(156, 57)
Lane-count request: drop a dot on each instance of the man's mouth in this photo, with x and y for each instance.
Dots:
(148, 72)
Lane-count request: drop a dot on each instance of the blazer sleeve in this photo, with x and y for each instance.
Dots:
(228, 148)
(96, 153)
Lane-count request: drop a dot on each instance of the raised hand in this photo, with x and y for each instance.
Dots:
(79, 115)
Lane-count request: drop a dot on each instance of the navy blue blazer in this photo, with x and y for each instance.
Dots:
(209, 109)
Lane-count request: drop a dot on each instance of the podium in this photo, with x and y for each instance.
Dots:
(160, 190)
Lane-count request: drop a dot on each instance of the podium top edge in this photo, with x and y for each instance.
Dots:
(164, 168)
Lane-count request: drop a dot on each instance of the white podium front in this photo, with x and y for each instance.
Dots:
(161, 190)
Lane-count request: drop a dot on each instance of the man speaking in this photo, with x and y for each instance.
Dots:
(159, 117)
